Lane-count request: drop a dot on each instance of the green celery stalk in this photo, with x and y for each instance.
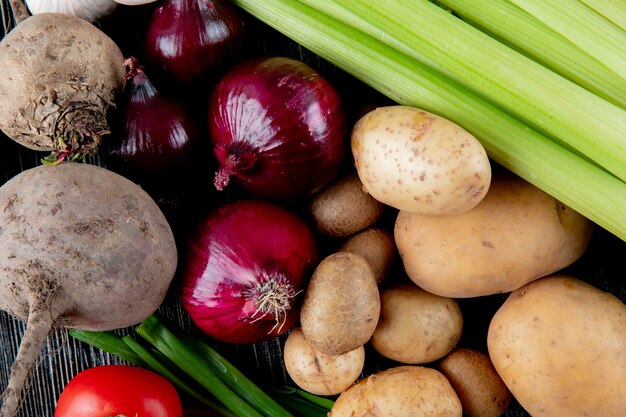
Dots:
(583, 26)
(612, 10)
(569, 178)
(513, 26)
(557, 107)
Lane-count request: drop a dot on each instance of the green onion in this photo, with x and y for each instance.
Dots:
(555, 106)
(186, 358)
(157, 366)
(510, 24)
(322, 402)
(568, 177)
(129, 350)
(111, 343)
(584, 27)
(301, 407)
(612, 10)
(237, 381)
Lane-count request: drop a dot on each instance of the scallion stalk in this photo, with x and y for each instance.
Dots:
(525, 33)
(129, 350)
(584, 27)
(542, 99)
(237, 381)
(110, 343)
(571, 179)
(187, 359)
(177, 380)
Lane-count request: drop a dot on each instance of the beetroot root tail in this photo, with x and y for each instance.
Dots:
(37, 328)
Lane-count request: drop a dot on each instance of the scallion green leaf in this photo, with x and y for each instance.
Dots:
(188, 360)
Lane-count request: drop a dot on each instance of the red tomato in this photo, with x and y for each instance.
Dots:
(114, 390)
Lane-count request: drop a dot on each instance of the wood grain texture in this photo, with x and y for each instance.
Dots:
(63, 357)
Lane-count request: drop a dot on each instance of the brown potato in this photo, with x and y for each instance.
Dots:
(343, 208)
(518, 233)
(317, 372)
(404, 391)
(559, 344)
(377, 246)
(419, 162)
(341, 304)
(479, 387)
(415, 326)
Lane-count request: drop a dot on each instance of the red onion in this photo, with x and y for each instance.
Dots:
(190, 39)
(158, 135)
(278, 128)
(243, 269)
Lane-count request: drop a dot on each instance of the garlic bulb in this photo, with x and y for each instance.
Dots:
(90, 10)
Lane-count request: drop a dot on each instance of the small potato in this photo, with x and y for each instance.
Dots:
(415, 326)
(403, 391)
(341, 304)
(479, 387)
(377, 246)
(317, 372)
(559, 344)
(343, 208)
(419, 162)
(518, 233)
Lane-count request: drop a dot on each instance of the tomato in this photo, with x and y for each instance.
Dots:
(114, 390)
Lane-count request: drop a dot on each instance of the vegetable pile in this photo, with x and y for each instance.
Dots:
(412, 209)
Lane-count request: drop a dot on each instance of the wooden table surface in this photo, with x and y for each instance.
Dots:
(63, 357)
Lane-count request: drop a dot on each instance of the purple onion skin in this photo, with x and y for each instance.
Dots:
(157, 135)
(235, 247)
(278, 128)
(189, 40)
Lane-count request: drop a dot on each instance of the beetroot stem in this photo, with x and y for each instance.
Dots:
(38, 326)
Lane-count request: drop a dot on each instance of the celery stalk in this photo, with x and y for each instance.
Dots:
(523, 32)
(586, 28)
(612, 10)
(568, 177)
(558, 108)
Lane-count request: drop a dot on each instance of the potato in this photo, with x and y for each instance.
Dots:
(403, 391)
(377, 246)
(418, 162)
(474, 379)
(341, 304)
(559, 344)
(317, 372)
(415, 326)
(343, 208)
(518, 233)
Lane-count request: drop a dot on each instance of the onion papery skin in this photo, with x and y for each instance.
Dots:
(278, 128)
(157, 135)
(236, 249)
(191, 40)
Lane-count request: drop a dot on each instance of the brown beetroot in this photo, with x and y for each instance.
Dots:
(80, 247)
(60, 78)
